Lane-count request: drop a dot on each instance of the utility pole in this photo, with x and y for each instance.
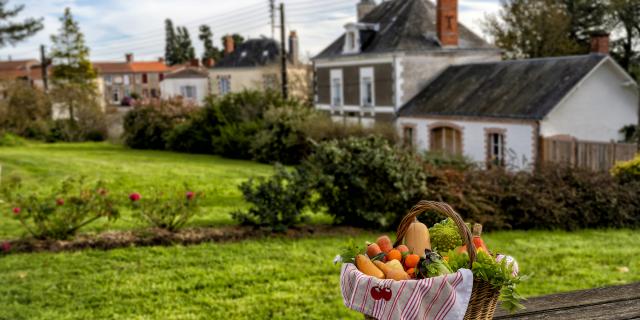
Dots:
(43, 66)
(283, 54)
(272, 9)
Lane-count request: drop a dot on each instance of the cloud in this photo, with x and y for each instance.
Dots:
(115, 27)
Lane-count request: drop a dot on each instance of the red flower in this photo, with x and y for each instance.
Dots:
(134, 197)
(6, 247)
(60, 201)
(16, 211)
(190, 195)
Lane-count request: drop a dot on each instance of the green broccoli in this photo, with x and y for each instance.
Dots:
(445, 236)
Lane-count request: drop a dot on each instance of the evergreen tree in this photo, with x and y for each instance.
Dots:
(171, 45)
(186, 50)
(73, 76)
(210, 51)
(625, 19)
(12, 32)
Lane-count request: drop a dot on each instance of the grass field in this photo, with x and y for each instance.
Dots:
(126, 171)
(268, 279)
(274, 278)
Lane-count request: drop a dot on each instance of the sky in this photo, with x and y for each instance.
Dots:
(115, 27)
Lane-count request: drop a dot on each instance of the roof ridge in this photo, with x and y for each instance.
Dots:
(515, 61)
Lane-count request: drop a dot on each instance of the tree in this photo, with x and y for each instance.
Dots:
(14, 32)
(73, 78)
(585, 17)
(533, 28)
(171, 44)
(210, 51)
(625, 20)
(186, 50)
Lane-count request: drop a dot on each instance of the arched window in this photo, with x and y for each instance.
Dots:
(446, 139)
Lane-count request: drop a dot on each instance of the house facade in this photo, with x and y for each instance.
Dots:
(131, 78)
(388, 56)
(189, 83)
(498, 113)
(256, 65)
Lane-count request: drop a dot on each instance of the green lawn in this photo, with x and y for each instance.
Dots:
(255, 279)
(268, 279)
(127, 171)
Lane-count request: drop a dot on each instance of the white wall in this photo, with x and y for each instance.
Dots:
(519, 138)
(597, 109)
(170, 88)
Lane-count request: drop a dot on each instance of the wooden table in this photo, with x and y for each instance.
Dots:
(622, 302)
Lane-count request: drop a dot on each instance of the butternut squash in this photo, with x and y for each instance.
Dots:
(417, 238)
(367, 267)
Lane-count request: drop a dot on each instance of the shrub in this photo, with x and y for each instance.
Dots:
(443, 160)
(323, 128)
(282, 137)
(234, 140)
(552, 197)
(167, 211)
(148, 125)
(277, 201)
(365, 182)
(627, 171)
(61, 212)
(26, 110)
(10, 140)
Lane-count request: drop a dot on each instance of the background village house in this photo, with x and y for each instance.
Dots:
(255, 65)
(189, 83)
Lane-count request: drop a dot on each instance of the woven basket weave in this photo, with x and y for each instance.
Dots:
(484, 297)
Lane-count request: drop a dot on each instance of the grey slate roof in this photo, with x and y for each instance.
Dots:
(519, 89)
(251, 53)
(405, 25)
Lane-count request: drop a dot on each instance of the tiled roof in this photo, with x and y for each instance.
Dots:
(251, 53)
(11, 70)
(519, 89)
(188, 73)
(133, 67)
(405, 25)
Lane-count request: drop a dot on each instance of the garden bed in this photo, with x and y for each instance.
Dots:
(159, 237)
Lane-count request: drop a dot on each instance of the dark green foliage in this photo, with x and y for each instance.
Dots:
(210, 51)
(178, 47)
(26, 111)
(234, 140)
(14, 32)
(277, 201)
(365, 182)
(553, 197)
(167, 210)
(147, 126)
(171, 44)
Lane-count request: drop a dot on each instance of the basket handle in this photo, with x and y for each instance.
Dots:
(444, 209)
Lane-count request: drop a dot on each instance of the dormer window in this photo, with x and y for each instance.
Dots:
(352, 40)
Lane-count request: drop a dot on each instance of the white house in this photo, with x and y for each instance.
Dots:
(189, 83)
(497, 112)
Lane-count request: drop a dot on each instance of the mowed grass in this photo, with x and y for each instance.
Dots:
(269, 279)
(44, 165)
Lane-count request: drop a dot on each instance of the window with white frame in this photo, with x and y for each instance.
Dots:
(188, 92)
(366, 87)
(224, 84)
(407, 135)
(336, 88)
(495, 152)
(351, 39)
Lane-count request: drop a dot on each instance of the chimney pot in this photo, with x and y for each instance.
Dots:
(294, 48)
(209, 62)
(447, 22)
(161, 59)
(229, 44)
(129, 57)
(600, 42)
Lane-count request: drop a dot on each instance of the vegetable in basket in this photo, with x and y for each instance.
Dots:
(433, 266)
(445, 236)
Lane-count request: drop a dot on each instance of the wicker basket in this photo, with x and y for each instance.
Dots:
(484, 297)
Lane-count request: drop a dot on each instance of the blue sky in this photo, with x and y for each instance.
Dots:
(114, 27)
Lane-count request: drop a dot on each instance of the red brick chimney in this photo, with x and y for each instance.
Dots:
(229, 44)
(128, 57)
(209, 62)
(600, 42)
(447, 22)
(194, 62)
(161, 59)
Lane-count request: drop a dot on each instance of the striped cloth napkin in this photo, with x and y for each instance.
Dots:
(444, 297)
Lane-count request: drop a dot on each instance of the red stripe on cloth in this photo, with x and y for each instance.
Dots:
(366, 295)
(395, 301)
(451, 299)
(411, 310)
(355, 292)
(380, 304)
(435, 298)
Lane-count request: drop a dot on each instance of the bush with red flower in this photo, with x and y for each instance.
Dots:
(170, 211)
(60, 212)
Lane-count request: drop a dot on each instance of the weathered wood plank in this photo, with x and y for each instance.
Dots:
(621, 302)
